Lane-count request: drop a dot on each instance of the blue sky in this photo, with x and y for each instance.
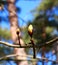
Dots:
(26, 7)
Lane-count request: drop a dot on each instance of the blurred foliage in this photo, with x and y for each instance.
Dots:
(43, 27)
(25, 35)
(4, 50)
(2, 2)
(5, 34)
(41, 20)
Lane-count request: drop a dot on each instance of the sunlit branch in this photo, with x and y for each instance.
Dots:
(13, 55)
(8, 58)
(53, 40)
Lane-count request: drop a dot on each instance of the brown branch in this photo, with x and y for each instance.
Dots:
(53, 40)
(15, 46)
(29, 45)
(9, 44)
(7, 58)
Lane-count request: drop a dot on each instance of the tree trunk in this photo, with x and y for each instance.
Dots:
(13, 27)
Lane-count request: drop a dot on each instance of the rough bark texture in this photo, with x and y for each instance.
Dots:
(13, 27)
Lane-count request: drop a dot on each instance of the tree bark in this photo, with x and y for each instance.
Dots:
(13, 27)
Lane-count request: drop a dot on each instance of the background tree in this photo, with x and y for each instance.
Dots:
(4, 50)
(13, 27)
(45, 22)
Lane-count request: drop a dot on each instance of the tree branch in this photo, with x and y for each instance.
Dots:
(29, 45)
(9, 44)
(53, 40)
(7, 58)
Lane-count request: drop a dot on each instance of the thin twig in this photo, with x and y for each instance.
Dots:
(53, 40)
